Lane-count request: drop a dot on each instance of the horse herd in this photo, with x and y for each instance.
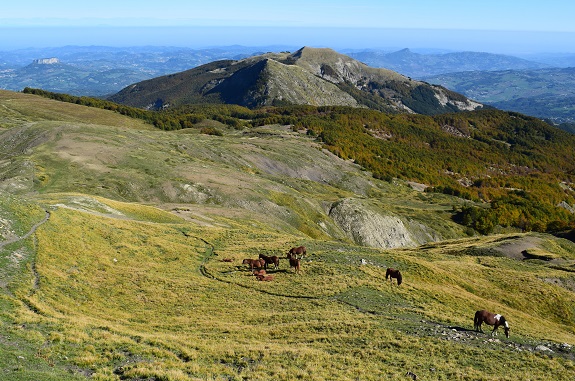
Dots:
(295, 254)
(259, 266)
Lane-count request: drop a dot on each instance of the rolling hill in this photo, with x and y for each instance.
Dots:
(103, 70)
(70, 79)
(310, 76)
(121, 251)
(544, 93)
(421, 66)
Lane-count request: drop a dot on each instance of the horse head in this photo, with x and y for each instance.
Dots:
(505, 325)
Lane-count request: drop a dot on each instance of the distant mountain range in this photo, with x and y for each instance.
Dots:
(544, 93)
(102, 71)
(419, 65)
(310, 76)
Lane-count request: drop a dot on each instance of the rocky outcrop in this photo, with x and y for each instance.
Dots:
(46, 61)
(367, 226)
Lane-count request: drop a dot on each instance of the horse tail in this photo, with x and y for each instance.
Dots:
(476, 323)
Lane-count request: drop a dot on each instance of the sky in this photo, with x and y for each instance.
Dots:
(487, 25)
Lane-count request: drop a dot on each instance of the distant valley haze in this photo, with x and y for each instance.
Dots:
(503, 42)
(505, 27)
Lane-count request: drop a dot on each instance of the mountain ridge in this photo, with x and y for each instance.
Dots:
(225, 81)
(419, 65)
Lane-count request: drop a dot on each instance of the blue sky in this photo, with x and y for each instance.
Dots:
(507, 24)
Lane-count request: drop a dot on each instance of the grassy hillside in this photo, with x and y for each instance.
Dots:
(518, 165)
(137, 273)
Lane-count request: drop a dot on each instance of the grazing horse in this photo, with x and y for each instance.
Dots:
(294, 262)
(393, 273)
(254, 263)
(491, 319)
(300, 250)
(271, 260)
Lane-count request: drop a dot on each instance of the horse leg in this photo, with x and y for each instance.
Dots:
(478, 324)
(495, 332)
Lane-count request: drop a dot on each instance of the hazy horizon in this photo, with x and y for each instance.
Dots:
(494, 26)
(502, 42)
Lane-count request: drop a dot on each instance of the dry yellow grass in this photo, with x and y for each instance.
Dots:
(127, 298)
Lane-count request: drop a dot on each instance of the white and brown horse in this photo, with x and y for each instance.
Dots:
(489, 318)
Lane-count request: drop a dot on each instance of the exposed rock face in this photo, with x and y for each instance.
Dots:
(369, 228)
(46, 61)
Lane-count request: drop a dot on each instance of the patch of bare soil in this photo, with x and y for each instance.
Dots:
(515, 247)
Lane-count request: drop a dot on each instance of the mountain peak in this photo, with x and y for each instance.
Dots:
(314, 76)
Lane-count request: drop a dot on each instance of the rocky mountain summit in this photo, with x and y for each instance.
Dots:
(309, 76)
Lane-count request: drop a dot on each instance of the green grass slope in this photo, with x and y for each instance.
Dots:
(137, 273)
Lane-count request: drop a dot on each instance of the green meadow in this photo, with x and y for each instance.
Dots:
(137, 273)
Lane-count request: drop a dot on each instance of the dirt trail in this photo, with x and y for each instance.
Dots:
(32, 231)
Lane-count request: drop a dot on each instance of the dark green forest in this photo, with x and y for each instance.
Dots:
(515, 170)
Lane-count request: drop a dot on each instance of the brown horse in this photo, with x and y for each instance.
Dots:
(265, 278)
(294, 262)
(300, 250)
(257, 272)
(491, 319)
(254, 263)
(271, 260)
(393, 273)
